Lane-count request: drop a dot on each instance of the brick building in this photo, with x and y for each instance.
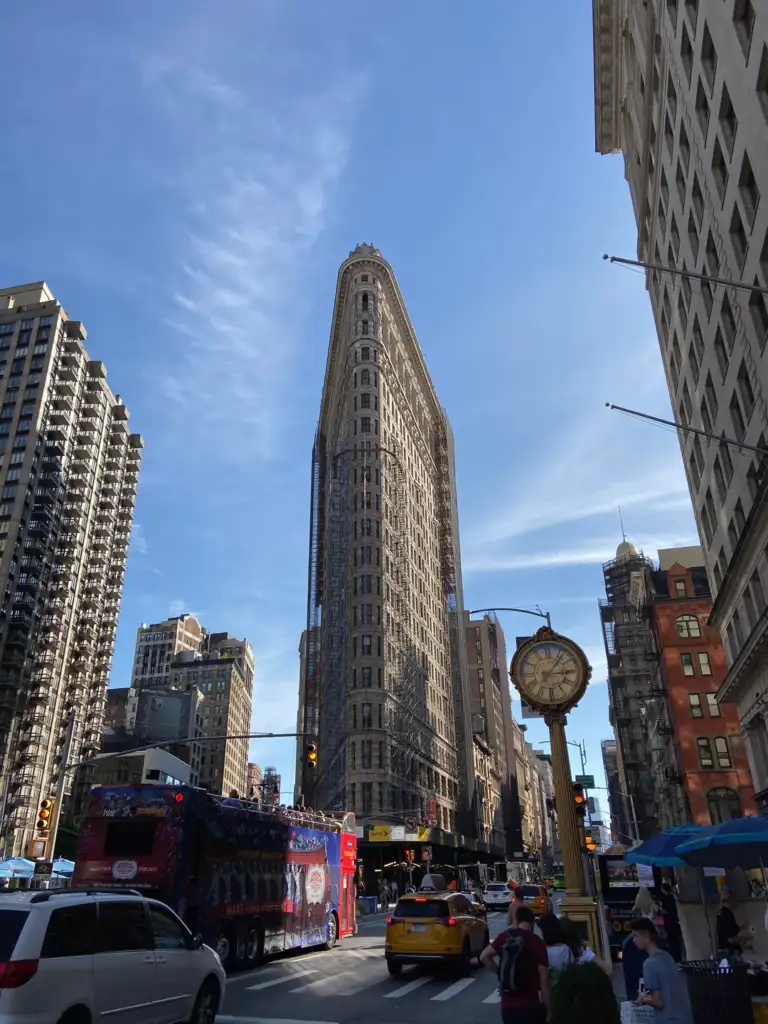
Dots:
(697, 753)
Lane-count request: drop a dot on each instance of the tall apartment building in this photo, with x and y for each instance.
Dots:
(159, 643)
(490, 699)
(385, 688)
(69, 472)
(695, 745)
(681, 90)
(632, 679)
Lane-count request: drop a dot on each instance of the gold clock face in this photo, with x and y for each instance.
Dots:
(550, 674)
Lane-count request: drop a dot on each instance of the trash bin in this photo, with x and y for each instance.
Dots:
(718, 994)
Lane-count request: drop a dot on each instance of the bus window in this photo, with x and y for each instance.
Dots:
(130, 838)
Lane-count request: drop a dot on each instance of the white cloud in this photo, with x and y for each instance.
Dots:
(180, 607)
(255, 183)
(138, 543)
(590, 552)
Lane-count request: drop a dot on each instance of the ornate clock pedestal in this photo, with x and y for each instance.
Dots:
(551, 673)
(576, 904)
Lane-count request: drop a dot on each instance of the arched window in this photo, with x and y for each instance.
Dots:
(688, 626)
(724, 805)
(365, 378)
(364, 305)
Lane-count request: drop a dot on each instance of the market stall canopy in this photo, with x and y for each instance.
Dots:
(17, 867)
(740, 843)
(662, 850)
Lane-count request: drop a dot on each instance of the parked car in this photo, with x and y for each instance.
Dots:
(75, 954)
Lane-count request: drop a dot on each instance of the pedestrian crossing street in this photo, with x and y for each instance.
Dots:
(357, 972)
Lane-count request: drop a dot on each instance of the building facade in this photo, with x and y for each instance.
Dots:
(70, 469)
(622, 829)
(155, 766)
(632, 680)
(159, 643)
(254, 781)
(682, 93)
(385, 686)
(226, 712)
(699, 762)
(488, 795)
(490, 699)
(157, 714)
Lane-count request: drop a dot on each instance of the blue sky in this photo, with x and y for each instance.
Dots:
(188, 177)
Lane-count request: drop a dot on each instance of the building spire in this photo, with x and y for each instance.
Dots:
(621, 520)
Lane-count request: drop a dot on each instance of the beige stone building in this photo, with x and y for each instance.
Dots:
(226, 711)
(385, 687)
(69, 472)
(253, 783)
(159, 643)
(681, 91)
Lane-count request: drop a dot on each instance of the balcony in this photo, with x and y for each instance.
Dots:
(60, 418)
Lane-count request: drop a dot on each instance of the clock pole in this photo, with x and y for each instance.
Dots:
(567, 820)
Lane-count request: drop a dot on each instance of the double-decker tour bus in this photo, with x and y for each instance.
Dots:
(253, 883)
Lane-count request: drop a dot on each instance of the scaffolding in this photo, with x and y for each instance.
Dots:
(632, 678)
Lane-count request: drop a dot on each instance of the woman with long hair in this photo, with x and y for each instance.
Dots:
(581, 952)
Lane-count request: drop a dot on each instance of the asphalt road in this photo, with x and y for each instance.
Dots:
(351, 983)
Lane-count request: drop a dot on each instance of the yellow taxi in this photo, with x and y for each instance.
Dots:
(534, 896)
(439, 927)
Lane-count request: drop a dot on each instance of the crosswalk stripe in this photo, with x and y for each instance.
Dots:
(407, 989)
(494, 997)
(344, 990)
(279, 981)
(229, 1019)
(453, 990)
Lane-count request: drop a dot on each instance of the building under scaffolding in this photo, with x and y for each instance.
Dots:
(384, 685)
(633, 681)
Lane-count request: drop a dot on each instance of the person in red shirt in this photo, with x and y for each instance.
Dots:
(530, 1005)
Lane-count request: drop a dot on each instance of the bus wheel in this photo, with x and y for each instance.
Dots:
(254, 946)
(331, 933)
(226, 948)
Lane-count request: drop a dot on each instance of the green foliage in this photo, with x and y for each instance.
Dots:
(583, 994)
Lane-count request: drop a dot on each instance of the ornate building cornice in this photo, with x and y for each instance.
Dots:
(606, 32)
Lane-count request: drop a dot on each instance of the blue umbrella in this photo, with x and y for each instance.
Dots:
(61, 866)
(662, 850)
(740, 843)
(17, 867)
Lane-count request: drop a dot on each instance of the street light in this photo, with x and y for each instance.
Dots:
(523, 611)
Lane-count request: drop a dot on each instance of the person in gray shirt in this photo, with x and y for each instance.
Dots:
(665, 988)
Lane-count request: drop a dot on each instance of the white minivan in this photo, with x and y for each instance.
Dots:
(70, 956)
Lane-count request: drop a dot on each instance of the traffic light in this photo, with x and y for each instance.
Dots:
(579, 800)
(590, 843)
(45, 814)
(312, 756)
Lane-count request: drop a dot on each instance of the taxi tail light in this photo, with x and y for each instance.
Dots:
(541, 901)
(451, 922)
(394, 920)
(16, 973)
(390, 920)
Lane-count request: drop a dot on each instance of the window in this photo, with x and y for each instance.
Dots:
(686, 53)
(71, 931)
(365, 354)
(364, 302)
(737, 418)
(365, 400)
(759, 313)
(719, 169)
(727, 117)
(367, 645)
(722, 751)
(744, 23)
(695, 702)
(724, 805)
(123, 927)
(712, 706)
(702, 109)
(168, 931)
(748, 190)
(704, 666)
(705, 752)
(687, 662)
(762, 85)
(745, 390)
(708, 58)
(680, 592)
(364, 327)
(738, 236)
(365, 424)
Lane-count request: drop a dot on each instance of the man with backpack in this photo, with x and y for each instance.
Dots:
(523, 970)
